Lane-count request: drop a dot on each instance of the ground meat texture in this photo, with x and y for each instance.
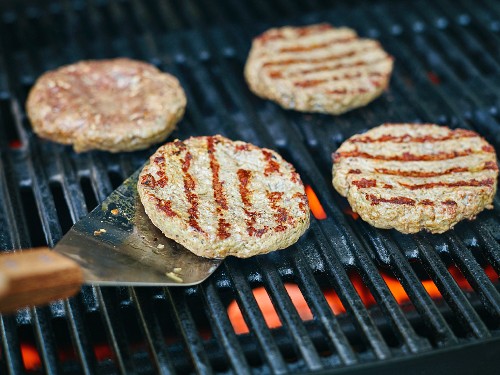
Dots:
(317, 68)
(414, 177)
(112, 105)
(220, 197)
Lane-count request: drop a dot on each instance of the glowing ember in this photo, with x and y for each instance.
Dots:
(102, 352)
(266, 306)
(31, 358)
(15, 144)
(315, 205)
(351, 213)
(434, 78)
(333, 300)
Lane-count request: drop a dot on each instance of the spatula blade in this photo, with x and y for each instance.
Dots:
(116, 244)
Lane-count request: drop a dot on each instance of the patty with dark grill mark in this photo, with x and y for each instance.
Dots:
(414, 177)
(219, 197)
(317, 68)
(112, 105)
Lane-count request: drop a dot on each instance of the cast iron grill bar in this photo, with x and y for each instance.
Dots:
(4, 83)
(77, 208)
(417, 294)
(452, 51)
(187, 327)
(385, 298)
(11, 349)
(320, 308)
(449, 289)
(12, 237)
(387, 247)
(289, 315)
(45, 341)
(468, 100)
(479, 16)
(151, 330)
(254, 319)
(79, 337)
(46, 210)
(490, 247)
(475, 275)
(115, 331)
(350, 298)
(223, 330)
(473, 42)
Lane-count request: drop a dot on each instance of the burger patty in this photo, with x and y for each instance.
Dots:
(317, 68)
(219, 197)
(113, 105)
(416, 176)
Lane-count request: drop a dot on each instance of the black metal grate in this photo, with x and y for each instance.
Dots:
(447, 71)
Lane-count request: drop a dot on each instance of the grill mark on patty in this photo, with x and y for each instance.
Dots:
(333, 57)
(219, 196)
(406, 138)
(300, 32)
(159, 160)
(243, 147)
(148, 180)
(189, 187)
(450, 202)
(311, 47)
(163, 205)
(431, 185)
(394, 200)
(244, 177)
(272, 164)
(406, 156)
(323, 68)
(281, 216)
(426, 202)
(359, 90)
(364, 183)
(303, 204)
(316, 82)
(424, 174)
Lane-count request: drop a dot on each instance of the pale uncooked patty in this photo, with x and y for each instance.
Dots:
(113, 105)
(317, 68)
(416, 176)
(219, 197)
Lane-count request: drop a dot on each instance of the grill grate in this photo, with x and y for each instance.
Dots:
(446, 72)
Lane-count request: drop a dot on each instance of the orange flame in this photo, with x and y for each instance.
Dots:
(434, 78)
(351, 213)
(315, 205)
(266, 306)
(333, 300)
(31, 358)
(102, 352)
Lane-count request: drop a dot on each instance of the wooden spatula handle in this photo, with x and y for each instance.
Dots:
(36, 276)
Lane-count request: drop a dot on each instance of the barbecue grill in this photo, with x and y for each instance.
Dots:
(378, 301)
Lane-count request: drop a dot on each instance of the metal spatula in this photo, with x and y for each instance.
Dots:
(115, 244)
